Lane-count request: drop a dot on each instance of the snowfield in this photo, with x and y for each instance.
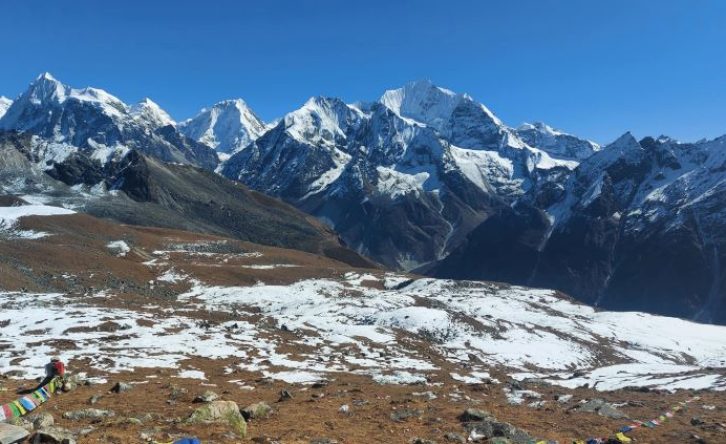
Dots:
(9, 217)
(388, 327)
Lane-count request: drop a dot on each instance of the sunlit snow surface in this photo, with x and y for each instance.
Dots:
(346, 325)
(9, 217)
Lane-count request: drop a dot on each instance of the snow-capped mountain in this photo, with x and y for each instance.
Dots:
(637, 225)
(423, 178)
(93, 125)
(402, 179)
(4, 105)
(228, 126)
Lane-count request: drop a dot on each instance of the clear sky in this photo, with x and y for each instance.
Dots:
(593, 68)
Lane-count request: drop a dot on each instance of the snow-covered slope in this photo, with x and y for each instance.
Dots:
(4, 105)
(227, 126)
(91, 125)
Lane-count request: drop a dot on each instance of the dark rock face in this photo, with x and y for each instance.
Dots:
(638, 226)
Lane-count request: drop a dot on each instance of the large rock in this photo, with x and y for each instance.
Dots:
(258, 410)
(121, 387)
(42, 420)
(602, 408)
(10, 434)
(92, 414)
(207, 396)
(53, 435)
(483, 427)
(218, 411)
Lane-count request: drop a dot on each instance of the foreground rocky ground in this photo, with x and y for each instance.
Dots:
(338, 354)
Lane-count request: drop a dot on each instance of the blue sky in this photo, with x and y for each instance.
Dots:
(593, 68)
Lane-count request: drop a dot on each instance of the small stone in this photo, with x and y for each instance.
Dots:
(285, 395)
(404, 414)
(258, 410)
(207, 396)
(422, 441)
(121, 387)
(68, 386)
(177, 392)
(94, 399)
(323, 441)
(696, 421)
(345, 409)
(454, 437)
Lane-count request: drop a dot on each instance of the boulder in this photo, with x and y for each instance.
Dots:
(602, 408)
(53, 435)
(42, 420)
(472, 415)
(258, 410)
(121, 387)
(454, 437)
(218, 411)
(207, 396)
(92, 414)
(491, 430)
(10, 434)
(404, 414)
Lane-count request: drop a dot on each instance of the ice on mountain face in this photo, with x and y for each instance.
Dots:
(556, 143)
(426, 103)
(4, 105)
(322, 121)
(148, 111)
(228, 126)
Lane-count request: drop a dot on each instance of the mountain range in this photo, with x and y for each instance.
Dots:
(421, 179)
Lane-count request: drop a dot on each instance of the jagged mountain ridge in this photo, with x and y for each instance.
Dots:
(69, 121)
(637, 226)
(402, 179)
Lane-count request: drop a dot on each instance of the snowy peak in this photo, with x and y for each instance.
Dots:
(228, 126)
(322, 120)
(148, 111)
(46, 94)
(556, 143)
(4, 105)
